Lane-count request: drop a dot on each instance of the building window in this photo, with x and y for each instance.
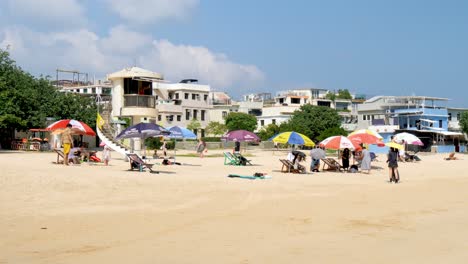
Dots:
(195, 114)
(224, 114)
(186, 95)
(85, 90)
(202, 115)
(177, 96)
(449, 116)
(205, 97)
(93, 90)
(440, 123)
(262, 122)
(187, 114)
(363, 117)
(273, 121)
(194, 96)
(179, 117)
(159, 117)
(295, 100)
(458, 116)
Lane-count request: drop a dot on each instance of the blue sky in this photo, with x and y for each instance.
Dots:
(372, 47)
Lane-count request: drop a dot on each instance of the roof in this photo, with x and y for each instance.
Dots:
(135, 72)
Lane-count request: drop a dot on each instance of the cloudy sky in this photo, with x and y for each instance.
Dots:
(398, 47)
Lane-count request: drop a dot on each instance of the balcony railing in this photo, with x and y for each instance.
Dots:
(134, 100)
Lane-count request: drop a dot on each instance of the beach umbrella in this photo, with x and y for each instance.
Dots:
(78, 127)
(240, 135)
(339, 142)
(180, 133)
(292, 138)
(408, 138)
(366, 136)
(143, 130)
(394, 145)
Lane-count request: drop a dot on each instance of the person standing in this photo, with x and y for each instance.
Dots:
(67, 142)
(392, 160)
(316, 154)
(236, 146)
(164, 148)
(201, 148)
(366, 160)
(345, 155)
(106, 155)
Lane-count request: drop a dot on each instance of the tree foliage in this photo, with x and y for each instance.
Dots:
(464, 122)
(329, 132)
(342, 94)
(215, 128)
(27, 101)
(194, 125)
(236, 121)
(312, 120)
(268, 131)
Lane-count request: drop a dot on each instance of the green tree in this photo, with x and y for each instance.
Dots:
(236, 121)
(464, 122)
(311, 120)
(194, 125)
(333, 131)
(267, 132)
(215, 128)
(330, 96)
(344, 94)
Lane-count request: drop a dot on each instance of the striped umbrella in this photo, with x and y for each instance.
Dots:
(78, 127)
(292, 138)
(339, 142)
(366, 136)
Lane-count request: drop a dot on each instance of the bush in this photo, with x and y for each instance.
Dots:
(155, 143)
(212, 139)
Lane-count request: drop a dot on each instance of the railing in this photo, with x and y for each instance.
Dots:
(134, 100)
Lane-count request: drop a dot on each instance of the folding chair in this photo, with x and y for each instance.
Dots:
(331, 164)
(230, 159)
(241, 159)
(60, 154)
(288, 166)
(139, 162)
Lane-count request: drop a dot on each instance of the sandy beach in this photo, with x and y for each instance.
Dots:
(193, 213)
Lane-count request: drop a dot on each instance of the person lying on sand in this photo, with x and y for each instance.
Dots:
(451, 156)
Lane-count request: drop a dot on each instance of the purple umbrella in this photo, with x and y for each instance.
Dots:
(240, 135)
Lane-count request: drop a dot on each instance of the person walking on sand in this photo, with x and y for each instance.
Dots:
(392, 160)
(201, 148)
(345, 155)
(366, 160)
(67, 142)
(106, 155)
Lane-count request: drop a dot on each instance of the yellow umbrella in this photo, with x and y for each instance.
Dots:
(394, 145)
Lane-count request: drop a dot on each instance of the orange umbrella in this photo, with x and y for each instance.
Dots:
(366, 136)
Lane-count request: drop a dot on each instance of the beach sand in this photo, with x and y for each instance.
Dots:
(51, 213)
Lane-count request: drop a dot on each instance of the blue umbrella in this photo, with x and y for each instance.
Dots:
(181, 133)
(143, 130)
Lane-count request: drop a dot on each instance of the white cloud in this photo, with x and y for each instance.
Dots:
(65, 12)
(83, 50)
(182, 61)
(149, 11)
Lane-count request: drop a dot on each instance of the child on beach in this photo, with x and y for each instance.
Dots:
(392, 161)
(106, 155)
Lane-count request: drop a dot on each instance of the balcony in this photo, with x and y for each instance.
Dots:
(139, 105)
(133, 100)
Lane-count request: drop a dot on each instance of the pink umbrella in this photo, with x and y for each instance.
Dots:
(78, 127)
(240, 135)
(339, 142)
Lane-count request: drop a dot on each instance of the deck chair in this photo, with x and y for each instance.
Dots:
(137, 161)
(60, 154)
(331, 164)
(241, 159)
(230, 159)
(288, 166)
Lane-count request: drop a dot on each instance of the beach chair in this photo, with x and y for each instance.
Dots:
(241, 159)
(288, 166)
(60, 154)
(331, 164)
(137, 161)
(230, 159)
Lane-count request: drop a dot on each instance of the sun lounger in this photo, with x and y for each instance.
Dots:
(331, 164)
(60, 154)
(288, 166)
(137, 161)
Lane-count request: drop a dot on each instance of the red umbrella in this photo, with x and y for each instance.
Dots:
(78, 127)
(366, 136)
(339, 142)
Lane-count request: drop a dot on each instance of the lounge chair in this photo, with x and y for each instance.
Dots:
(331, 164)
(230, 159)
(241, 159)
(138, 162)
(288, 166)
(60, 154)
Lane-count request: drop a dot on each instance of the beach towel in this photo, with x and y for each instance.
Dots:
(250, 177)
